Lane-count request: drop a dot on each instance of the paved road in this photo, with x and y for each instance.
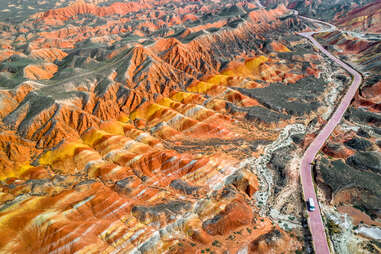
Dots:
(258, 2)
(315, 221)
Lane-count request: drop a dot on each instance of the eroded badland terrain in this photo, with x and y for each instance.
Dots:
(179, 126)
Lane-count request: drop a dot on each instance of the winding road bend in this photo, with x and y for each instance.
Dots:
(315, 220)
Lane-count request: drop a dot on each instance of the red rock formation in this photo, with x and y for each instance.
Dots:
(235, 214)
(366, 18)
(5, 54)
(373, 93)
(274, 241)
(81, 7)
(48, 54)
(40, 71)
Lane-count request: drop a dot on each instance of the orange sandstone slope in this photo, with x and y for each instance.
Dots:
(83, 8)
(134, 127)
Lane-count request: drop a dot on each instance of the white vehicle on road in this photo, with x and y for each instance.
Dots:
(311, 205)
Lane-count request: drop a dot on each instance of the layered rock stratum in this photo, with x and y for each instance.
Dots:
(156, 126)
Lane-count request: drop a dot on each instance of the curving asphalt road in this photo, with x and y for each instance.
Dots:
(314, 220)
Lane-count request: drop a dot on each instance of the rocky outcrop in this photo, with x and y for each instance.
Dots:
(48, 54)
(235, 215)
(273, 240)
(364, 19)
(40, 71)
